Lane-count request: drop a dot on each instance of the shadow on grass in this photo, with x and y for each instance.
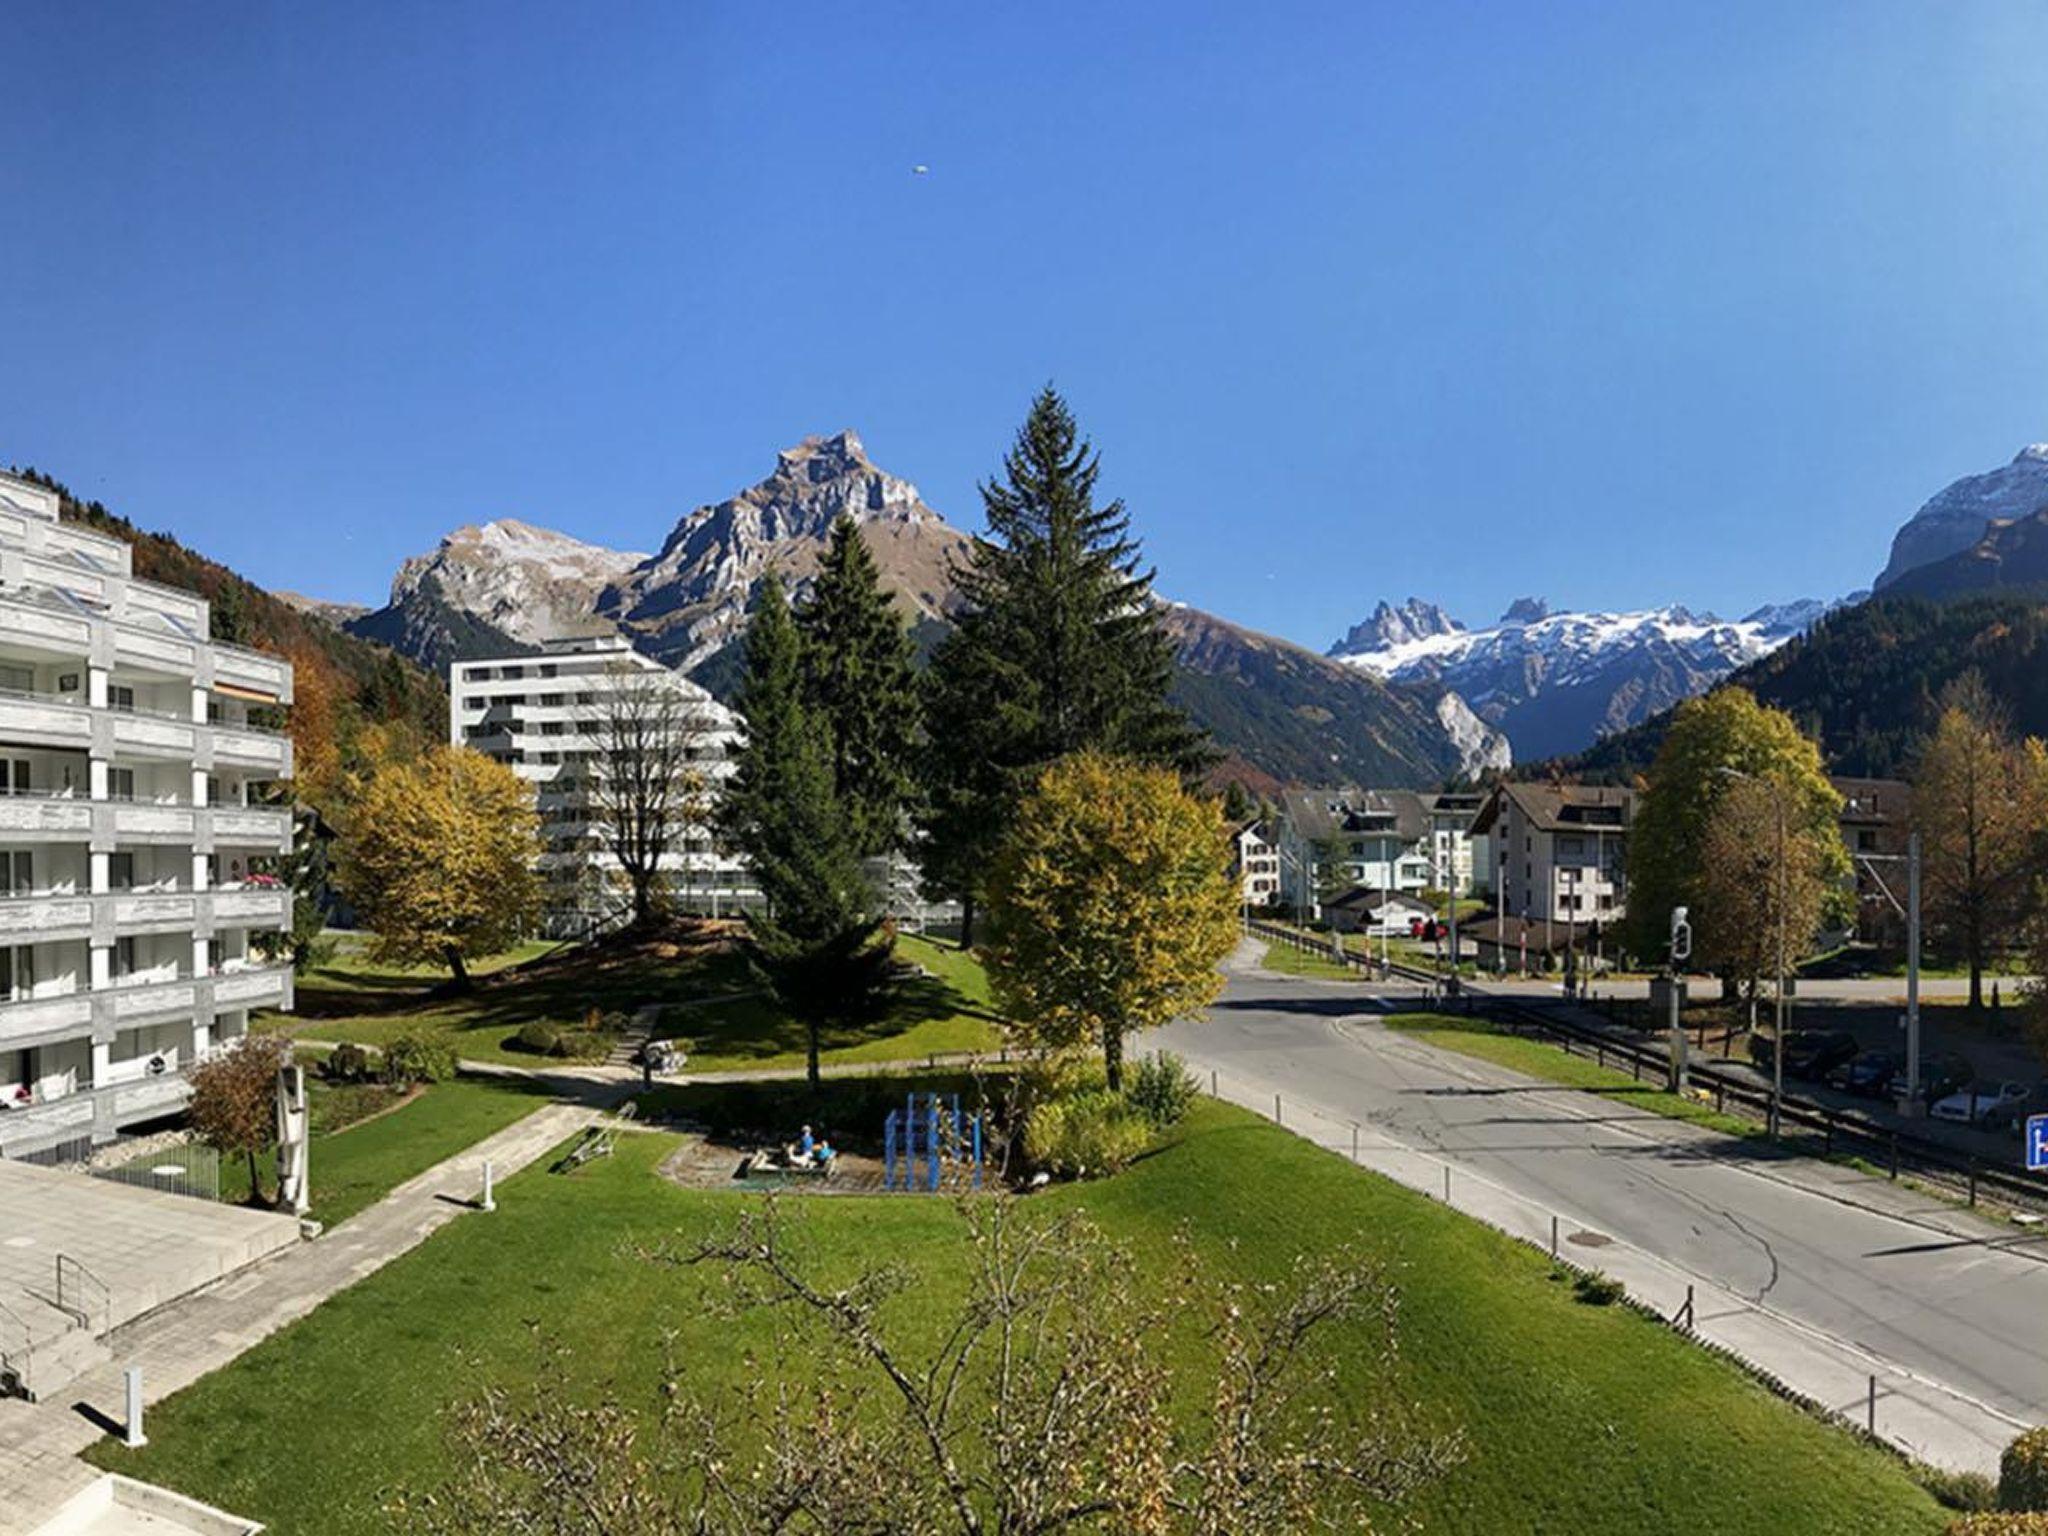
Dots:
(757, 1029)
(849, 1112)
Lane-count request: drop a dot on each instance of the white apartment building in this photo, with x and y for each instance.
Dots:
(1560, 851)
(129, 839)
(1385, 840)
(1257, 858)
(543, 714)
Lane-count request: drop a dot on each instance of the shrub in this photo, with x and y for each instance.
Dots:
(1598, 1290)
(417, 1059)
(580, 1044)
(346, 1063)
(1162, 1089)
(1957, 1490)
(2023, 1472)
(538, 1036)
(1094, 1131)
(1999, 1522)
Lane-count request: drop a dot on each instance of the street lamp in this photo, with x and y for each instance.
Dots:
(1777, 1002)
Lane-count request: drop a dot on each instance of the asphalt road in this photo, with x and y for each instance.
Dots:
(1953, 1300)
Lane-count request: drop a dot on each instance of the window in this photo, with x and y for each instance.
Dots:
(120, 696)
(18, 679)
(17, 873)
(120, 783)
(124, 957)
(120, 871)
(14, 776)
(512, 672)
(17, 972)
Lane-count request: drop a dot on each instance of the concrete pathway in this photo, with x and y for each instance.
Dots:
(181, 1342)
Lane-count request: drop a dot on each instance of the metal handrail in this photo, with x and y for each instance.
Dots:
(83, 1280)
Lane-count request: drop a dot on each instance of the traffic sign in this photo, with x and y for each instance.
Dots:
(2037, 1141)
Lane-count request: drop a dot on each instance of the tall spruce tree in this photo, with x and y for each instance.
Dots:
(860, 681)
(1059, 649)
(818, 945)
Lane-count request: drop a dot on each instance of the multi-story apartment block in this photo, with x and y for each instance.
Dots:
(1459, 862)
(130, 841)
(546, 716)
(1559, 851)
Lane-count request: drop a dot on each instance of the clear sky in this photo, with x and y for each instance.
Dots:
(1618, 304)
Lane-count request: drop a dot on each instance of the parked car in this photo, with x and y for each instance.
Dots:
(1940, 1076)
(1868, 1076)
(2014, 1113)
(1808, 1052)
(1978, 1100)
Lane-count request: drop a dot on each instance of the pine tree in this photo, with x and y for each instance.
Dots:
(1059, 649)
(818, 945)
(860, 681)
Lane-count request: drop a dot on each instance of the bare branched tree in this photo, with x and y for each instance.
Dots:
(647, 787)
(1042, 1400)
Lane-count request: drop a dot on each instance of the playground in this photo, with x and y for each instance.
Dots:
(928, 1144)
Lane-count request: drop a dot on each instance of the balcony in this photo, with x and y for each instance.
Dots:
(155, 1002)
(251, 672)
(131, 821)
(256, 986)
(251, 907)
(44, 1020)
(42, 720)
(148, 649)
(240, 826)
(241, 747)
(148, 735)
(31, 625)
(42, 818)
(45, 919)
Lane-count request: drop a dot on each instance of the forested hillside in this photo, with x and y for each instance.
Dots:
(1865, 681)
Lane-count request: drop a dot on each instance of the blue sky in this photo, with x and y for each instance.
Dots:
(1618, 304)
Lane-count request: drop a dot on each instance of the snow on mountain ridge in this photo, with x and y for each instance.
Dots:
(1957, 516)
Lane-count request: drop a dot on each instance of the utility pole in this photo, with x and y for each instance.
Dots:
(1778, 1028)
(1680, 951)
(1912, 972)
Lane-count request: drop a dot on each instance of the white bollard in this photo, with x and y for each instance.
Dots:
(489, 1203)
(135, 1436)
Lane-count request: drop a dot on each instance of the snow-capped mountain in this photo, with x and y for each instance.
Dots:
(1956, 517)
(1553, 682)
(1389, 626)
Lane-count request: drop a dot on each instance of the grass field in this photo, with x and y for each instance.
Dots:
(708, 995)
(1581, 1420)
(1289, 961)
(1540, 1059)
(365, 1159)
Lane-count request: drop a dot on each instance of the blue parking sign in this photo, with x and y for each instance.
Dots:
(2037, 1141)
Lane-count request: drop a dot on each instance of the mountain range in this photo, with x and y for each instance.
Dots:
(1279, 711)
(1553, 682)
(1410, 696)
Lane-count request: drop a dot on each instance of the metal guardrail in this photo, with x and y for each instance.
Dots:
(1805, 1125)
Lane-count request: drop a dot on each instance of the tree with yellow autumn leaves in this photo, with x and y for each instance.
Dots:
(1110, 905)
(438, 857)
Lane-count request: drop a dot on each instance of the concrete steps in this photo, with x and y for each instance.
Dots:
(55, 1351)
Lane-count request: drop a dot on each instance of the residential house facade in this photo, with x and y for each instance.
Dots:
(1255, 858)
(544, 715)
(1876, 821)
(133, 755)
(1559, 851)
(1390, 840)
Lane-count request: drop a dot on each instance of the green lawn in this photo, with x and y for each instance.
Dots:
(1471, 1036)
(1289, 961)
(1581, 1420)
(947, 1010)
(710, 998)
(365, 1159)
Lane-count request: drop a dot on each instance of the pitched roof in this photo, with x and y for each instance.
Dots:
(1562, 807)
(1320, 815)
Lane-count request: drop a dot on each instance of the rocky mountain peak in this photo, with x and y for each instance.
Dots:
(1958, 515)
(1388, 625)
(1527, 610)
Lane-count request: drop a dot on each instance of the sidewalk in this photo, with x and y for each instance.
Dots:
(199, 1333)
